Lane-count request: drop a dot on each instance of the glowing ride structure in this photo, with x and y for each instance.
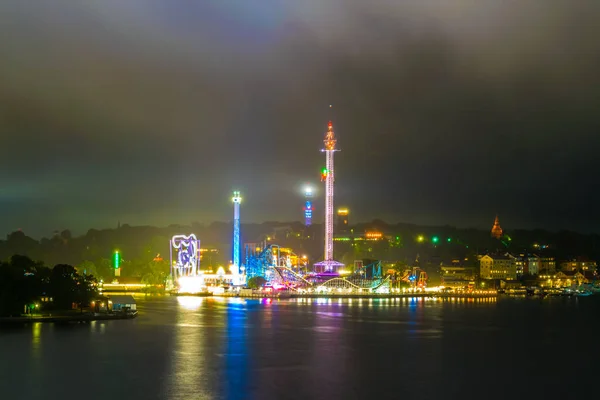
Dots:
(187, 260)
(236, 266)
(281, 267)
(269, 262)
(329, 265)
(277, 267)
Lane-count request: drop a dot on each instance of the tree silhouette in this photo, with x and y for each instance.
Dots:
(256, 282)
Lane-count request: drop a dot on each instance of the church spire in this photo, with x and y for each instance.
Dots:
(496, 229)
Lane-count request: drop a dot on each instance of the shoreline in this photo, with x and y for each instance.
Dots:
(80, 318)
(339, 296)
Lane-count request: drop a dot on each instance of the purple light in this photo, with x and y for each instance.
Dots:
(187, 254)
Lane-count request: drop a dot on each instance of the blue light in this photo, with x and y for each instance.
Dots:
(237, 199)
(308, 213)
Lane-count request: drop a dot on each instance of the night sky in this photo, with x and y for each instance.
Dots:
(153, 111)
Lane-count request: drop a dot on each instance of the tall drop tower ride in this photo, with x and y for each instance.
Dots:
(328, 176)
(237, 199)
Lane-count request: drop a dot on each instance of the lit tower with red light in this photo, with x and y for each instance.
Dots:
(328, 176)
(237, 200)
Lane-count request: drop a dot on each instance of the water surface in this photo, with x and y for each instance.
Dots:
(210, 348)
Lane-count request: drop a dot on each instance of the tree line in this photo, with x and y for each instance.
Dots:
(145, 249)
(29, 286)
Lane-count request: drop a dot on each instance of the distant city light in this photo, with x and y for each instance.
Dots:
(117, 260)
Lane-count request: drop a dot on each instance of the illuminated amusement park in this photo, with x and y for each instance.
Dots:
(279, 268)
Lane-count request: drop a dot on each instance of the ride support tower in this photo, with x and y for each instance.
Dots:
(328, 176)
(237, 200)
(308, 206)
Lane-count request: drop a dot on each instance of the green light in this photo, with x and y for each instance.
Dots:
(435, 239)
(449, 240)
(116, 260)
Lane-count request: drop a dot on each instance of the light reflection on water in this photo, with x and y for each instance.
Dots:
(190, 303)
(187, 367)
(217, 348)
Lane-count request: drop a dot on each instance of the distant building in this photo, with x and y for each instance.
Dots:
(374, 235)
(453, 272)
(494, 266)
(208, 255)
(578, 264)
(528, 264)
(547, 265)
(496, 229)
(369, 235)
(342, 219)
(457, 277)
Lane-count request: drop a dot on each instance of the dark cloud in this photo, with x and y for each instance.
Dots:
(447, 111)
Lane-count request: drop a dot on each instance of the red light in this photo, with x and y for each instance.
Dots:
(330, 124)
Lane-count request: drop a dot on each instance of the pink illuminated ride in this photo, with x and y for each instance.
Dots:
(329, 265)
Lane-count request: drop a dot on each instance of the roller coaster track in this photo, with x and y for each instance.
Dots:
(294, 281)
(339, 283)
(287, 276)
(383, 282)
(269, 262)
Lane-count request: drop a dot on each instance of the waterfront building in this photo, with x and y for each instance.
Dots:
(564, 279)
(457, 277)
(122, 303)
(511, 285)
(498, 266)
